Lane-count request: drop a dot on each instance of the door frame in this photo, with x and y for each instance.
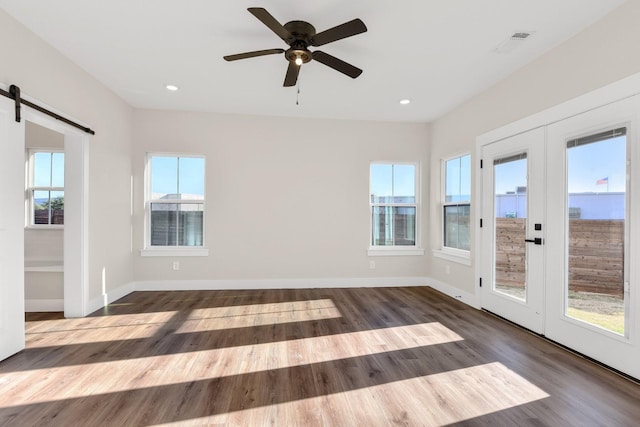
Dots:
(76, 228)
(614, 92)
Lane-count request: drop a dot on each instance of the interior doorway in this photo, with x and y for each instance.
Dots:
(44, 219)
(76, 197)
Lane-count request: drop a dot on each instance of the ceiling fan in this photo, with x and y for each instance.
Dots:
(299, 35)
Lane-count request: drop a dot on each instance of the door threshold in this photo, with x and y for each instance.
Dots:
(569, 349)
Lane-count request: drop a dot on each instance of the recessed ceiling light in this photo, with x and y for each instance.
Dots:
(405, 101)
(172, 88)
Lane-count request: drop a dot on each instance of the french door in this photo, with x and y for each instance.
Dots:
(513, 229)
(561, 214)
(592, 261)
(11, 231)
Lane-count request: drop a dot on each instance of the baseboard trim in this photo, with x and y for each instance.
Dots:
(466, 297)
(109, 297)
(355, 282)
(42, 305)
(197, 285)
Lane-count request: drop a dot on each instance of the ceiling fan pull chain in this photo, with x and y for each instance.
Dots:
(298, 93)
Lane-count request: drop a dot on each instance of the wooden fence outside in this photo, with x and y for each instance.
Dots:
(596, 254)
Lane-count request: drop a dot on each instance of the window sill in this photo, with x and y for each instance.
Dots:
(395, 251)
(461, 257)
(174, 251)
(45, 227)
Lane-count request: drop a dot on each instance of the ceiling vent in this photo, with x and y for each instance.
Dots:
(513, 42)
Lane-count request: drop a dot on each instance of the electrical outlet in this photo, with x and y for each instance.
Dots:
(372, 265)
(447, 269)
(176, 265)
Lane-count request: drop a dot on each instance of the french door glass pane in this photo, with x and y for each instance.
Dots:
(596, 198)
(510, 193)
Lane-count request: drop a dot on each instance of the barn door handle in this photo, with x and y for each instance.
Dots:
(537, 240)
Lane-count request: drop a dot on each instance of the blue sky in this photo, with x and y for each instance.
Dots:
(586, 164)
(169, 173)
(393, 180)
(48, 170)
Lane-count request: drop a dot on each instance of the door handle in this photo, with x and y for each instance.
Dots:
(536, 240)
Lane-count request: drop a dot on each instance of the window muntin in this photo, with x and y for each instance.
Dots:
(46, 188)
(456, 206)
(175, 205)
(393, 204)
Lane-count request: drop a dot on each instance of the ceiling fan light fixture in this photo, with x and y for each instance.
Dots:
(172, 88)
(405, 101)
(299, 35)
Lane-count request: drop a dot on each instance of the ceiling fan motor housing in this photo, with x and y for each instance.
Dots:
(302, 33)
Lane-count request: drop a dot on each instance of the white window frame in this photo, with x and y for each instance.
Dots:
(174, 250)
(31, 188)
(396, 250)
(461, 256)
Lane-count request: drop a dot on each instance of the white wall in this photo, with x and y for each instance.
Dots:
(285, 198)
(46, 75)
(602, 54)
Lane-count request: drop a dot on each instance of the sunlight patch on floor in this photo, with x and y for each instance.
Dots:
(129, 374)
(436, 400)
(242, 316)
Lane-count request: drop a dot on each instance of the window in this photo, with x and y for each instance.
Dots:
(393, 206)
(456, 207)
(175, 202)
(46, 188)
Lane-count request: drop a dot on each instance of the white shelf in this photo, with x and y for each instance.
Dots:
(44, 266)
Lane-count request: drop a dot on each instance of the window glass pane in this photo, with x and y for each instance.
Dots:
(404, 184)
(177, 224)
(190, 222)
(42, 169)
(458, 179)
(393, 225)
(163, 224)
(456, 226)
(404, 224)
(382, 232)
(191, 178)
(465, 178)
(381, 183)
(57, 166)
(57, 207)
(40, 207)
(452, 180)
(164, 177)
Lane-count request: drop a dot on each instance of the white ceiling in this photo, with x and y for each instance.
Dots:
(438, 53)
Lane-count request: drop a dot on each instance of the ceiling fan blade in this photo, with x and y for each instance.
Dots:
(342, 31)
(292, 74)
(252, 54)
(267, 19)
(337, 64)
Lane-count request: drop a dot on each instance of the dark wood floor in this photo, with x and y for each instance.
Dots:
(334, 357)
